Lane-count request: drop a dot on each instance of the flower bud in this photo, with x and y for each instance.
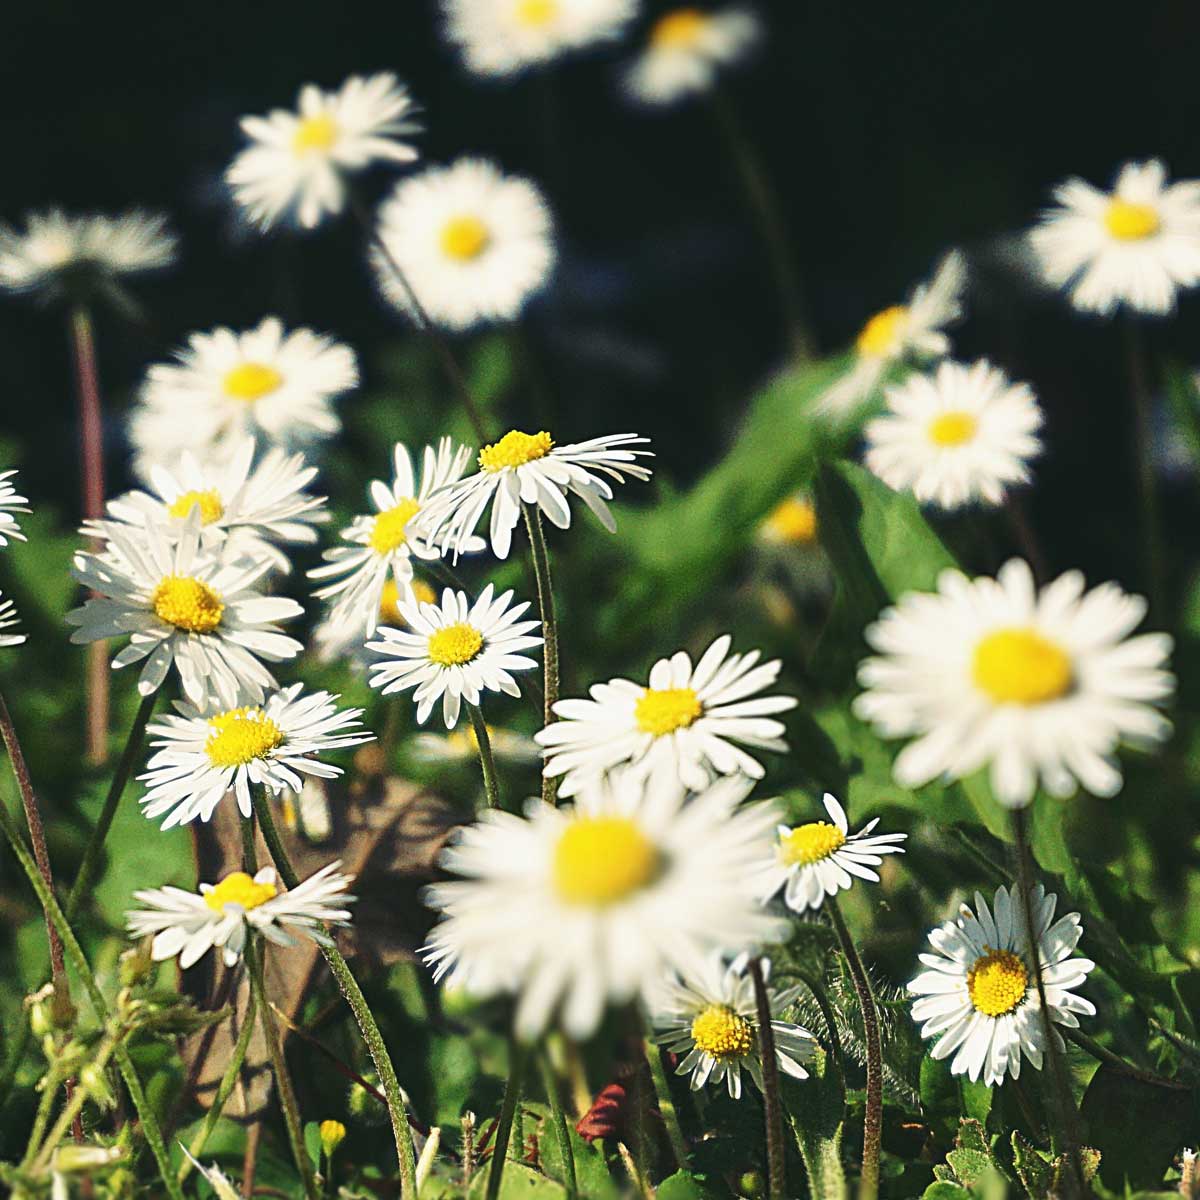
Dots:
(333, 1133)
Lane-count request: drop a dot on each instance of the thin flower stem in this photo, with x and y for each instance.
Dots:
(558, 1122)
(776, 1172)
(74, 1106)
(508, 1109)
(40, 1120)
(545, 590)
(666, 1105)
(1143, 444)
(486, 760)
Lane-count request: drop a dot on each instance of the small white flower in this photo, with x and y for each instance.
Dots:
(454, 651)
(1137, 245)
(1039, 686)
(959, 434)
(10, 503)
(684, 724)
(189, 924)
(340, 639)
(9, 619)
(296, 162)
(462, 746)
(473, 244)
(979, 996)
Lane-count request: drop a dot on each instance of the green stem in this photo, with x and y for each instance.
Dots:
(817, 988)
(545, 590)
(75, 1105)
(776, 1171)
(486, 760)
(41, 1119)
(666, 1105)
(1147, 479)
(558, 1122)
(508, 1109)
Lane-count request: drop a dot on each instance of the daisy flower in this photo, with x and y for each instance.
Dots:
(962, 433)
(901, 333)
(684, 724)
(529, 468)
(1036, 685)
(296, 162)
(200, 757)
(454, 651)
(337, 639)
(184, 606)
(189, 924)
(10, 503)
(383, 545)
(462, 746)
(593, 903)
(1137, 245)
(979, 996)
(472, 243)
(821, 858)
(226, 386)
(9, 619)
(709, 1020)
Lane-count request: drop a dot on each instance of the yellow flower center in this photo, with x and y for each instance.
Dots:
(209, 504)
(464, 238)
(333, 1133)
(387, 531)
(1019, 666)
(515, 449)
(187, 603)
(535, 13)
(1129, 222)
(601, 860)
(678, 30)
(239, 888)
(721, 1032)
(455, 644)
(251, 381)
(882, 335)
(807, 844)
(318, 132)
(794, 521)
(240, 735)
(997, 982)
(667, 709)
(952, 428)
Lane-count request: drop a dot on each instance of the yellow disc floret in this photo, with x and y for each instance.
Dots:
(454, 645)
(515, 449)
(883, 335)
(666, 709)
(251, 381)
(209, 504)
(464, 238)
(722, 1033)
(240, 735)
(678, 30)
(239, 888)
(997, 982)
(317, 132)
(1129, 222)
(952, 428)
(387, 530)
(1019, 666)
(601, 860)
(535, 13)
(794, 522)
(188, 604)
(807, 844)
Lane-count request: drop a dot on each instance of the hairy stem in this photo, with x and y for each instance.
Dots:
(545, 590)
(776, 1175)
(486, 760)
(74, 1106)
(558, 1123)
(508, 1109)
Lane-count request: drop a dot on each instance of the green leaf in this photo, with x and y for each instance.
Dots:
(312, 1142)
(591, 1171)
(946, 1191)
(519, 1182)
(816, 1107)
(683, 1185)
(968, 1165)
(1033, 1168)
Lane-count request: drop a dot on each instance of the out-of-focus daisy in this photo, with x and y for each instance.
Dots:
(296, 162)
(1036, 685)
(959, 434)
(529, 467)
(10, 503)
(821, 858)
(227, 386)
(461, 746)
(503, 37)
(792, 522)
(594, 902)
(686, 50)
(189, 924)
(913, 331)
(454, 651)
(341, 640)
(709, 1020)
(383, 544)
(684, 724)
(1137, 245)
(179, 605)
(201, 757)
(9, 620)
(979, 996)
(473, 244)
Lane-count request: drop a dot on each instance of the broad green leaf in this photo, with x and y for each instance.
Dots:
(683, 1185)
(943, 1190)
(519, 1182)
(591, 1171)
(816, 1108)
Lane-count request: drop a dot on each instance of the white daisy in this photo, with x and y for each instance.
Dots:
(202, 757)
(473, 244)
(575, 907)
(1137, 245)
(10, 503)
(979, 996)
(684, 724)
(959, 434)
(454, 651)
(530, 468)
(338, 639)
(183, 606)
(9, 619)
(709, 1020)
(1036, 685)
(819, 859)
(226, 386)
(296, 162)
(905, 332)
(462, 746)
(382, 545)
(189, 924)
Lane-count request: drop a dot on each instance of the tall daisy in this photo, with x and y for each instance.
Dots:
(1035, 685)
(296, 161)
(978, 996)
(10, 503)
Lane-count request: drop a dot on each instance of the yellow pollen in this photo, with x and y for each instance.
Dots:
(318, 132)
(464, 238)
(239, 888)
(997, 982)
(602, 860)
(952, 428)
(794, 521)
(536, 13)
(1129, 222)
(666, 709)
(807, 844)
(187, 603)
(881, 335)
(455, 644)
(387, 531)
(1019, 666)
(209, 504)
(678, 30)
(251, 381)
(239, 736)
(721, 1032)
(515, 449)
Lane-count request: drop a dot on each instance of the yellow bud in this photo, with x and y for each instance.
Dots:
(333, 1133)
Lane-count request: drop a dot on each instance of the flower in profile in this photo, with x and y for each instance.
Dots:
(296, 162)
(687, 723)
(454, 651)
(529, 468)
(189, 924)
(10, 503)
(200, 757)
(473, 244)
(1137, 245)
(978, 996)
(9, 620)
(821, 858)
(959, 434)
(913, 331)
(1036, 685)
(575, 907)
(709, 1020)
